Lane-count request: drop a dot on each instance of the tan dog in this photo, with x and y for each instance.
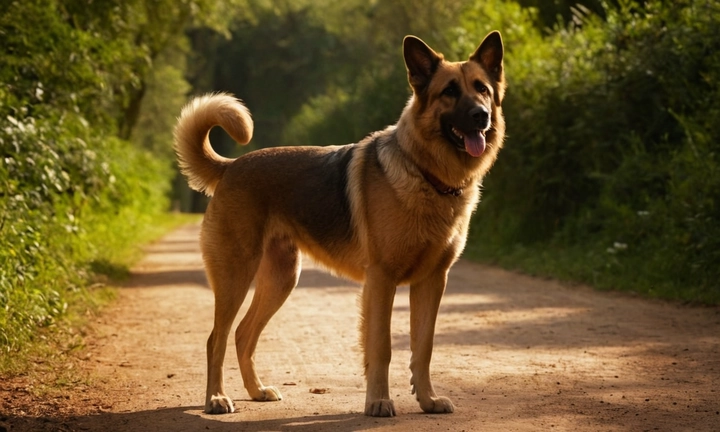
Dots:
(392, 209)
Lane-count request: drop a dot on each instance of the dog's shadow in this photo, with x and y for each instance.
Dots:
(193, 419)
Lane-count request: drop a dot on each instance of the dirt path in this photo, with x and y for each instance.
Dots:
(514, 353)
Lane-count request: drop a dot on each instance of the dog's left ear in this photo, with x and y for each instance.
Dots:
(421, 62)
(490, 56)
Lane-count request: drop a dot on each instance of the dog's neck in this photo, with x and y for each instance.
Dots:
(441, 187)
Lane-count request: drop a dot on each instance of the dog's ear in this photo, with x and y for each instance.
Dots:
(421, 62)
(490, 56)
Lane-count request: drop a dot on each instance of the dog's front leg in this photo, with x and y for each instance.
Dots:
(377, 302)
(424, 304)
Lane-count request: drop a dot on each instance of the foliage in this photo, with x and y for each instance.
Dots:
(550, 13)
(610, 173)
(73, 196)
(276, 59)
(68, 199)
(166, 92)
(371, 96)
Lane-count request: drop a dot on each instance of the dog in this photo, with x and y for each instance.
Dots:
(391, 209)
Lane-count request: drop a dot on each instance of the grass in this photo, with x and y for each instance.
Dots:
(603, 267)
(44, 357)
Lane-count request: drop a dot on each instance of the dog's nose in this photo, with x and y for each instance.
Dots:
(481, 116)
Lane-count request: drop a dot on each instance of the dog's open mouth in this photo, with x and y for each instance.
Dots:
(473, 142)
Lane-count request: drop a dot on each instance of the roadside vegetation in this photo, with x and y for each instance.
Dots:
(79, 189)
(610, 173)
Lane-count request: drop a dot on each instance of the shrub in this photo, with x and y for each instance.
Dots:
(68, 198)
(612, 142)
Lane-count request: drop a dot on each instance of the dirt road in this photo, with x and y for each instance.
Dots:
(513, 352)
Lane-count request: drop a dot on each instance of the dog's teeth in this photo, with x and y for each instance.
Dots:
(457, 133)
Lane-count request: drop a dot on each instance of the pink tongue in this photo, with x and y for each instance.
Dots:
(475, 144)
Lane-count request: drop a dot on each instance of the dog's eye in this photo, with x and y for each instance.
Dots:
(451, 90)
(480, 87)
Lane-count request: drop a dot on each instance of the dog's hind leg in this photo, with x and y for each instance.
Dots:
(276, 278)
(424, 304)
(230, 278)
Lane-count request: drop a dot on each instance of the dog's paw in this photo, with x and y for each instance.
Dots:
(380, 408)
(267, 394)
(437, 405)
(219, 405)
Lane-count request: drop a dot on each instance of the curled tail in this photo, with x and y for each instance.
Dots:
(198, 161)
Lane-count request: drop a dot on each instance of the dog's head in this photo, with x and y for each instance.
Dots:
(459, 102)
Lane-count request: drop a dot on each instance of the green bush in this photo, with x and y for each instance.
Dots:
(610, 172)
(70, 199)
(74, 198)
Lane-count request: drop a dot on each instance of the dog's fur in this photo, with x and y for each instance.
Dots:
(391, 209)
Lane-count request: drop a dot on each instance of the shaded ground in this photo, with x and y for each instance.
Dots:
(514, 353)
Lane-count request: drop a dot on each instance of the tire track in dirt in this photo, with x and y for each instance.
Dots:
(514, 353)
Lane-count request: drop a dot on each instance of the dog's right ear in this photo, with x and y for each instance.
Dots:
(421, 62)
(490, 56)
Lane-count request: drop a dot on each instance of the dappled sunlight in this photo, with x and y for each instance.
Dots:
(180, 249)
(575, 388)
(464, 299)
(508, 318)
